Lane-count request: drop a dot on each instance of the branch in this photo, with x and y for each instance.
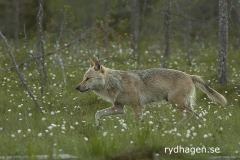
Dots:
(187, 18)
(59, 55)
(47, 54)
(33, 56)
(18, 72)
(40, 36)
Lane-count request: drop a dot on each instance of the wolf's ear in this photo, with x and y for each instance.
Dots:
(101, 69)
(97, 66)
(91, 63)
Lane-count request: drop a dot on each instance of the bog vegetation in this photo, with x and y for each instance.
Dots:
(64, 121)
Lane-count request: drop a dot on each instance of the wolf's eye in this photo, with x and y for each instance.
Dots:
(87, 79)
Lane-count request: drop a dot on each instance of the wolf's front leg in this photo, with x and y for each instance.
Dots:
(114, 110)
(138, 113)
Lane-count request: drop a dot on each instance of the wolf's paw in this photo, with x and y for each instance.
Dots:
(98, 126)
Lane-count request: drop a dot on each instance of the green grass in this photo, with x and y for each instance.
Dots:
(65, 124)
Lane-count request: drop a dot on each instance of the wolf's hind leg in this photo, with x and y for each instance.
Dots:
(189, 114)
(184, 119)
(199, 119)
(114, 110)
(195, 116)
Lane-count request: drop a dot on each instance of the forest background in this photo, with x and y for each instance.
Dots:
(52, 44)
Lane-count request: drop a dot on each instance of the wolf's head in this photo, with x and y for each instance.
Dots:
(93, 79)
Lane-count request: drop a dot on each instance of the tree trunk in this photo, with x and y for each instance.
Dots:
(41, 47)
(188, 36)
(223, 43)
(7, 19)
(106, 24)
(239, 11)
(134, 13)
(166, 36)
(16, 38)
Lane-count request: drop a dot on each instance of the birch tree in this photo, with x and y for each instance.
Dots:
(223, 43)
(134, 18)
(166, 36)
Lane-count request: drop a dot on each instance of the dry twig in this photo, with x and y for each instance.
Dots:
(40, 30)
(47, 54)
(30, 93)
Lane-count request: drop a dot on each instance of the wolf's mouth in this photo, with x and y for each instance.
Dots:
(82, 89)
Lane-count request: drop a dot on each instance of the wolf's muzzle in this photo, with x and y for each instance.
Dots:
(82, 89)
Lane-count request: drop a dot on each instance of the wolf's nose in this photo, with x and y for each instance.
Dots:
(78, 88)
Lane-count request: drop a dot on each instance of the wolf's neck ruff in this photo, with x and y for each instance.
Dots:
(112, 86)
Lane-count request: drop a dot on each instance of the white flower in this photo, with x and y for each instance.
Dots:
(53, 125)
(150, 122)
(39, 134)
(85, 138)
(63, 127)
(104, 134)
(19, 131)
(43, 111)
(124, 125)
(219, 117)
(50, 127)
(157, 154)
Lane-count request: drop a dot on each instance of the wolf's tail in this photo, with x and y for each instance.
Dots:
(211, 93)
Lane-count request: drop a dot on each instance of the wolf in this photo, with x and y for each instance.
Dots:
(137, 88)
